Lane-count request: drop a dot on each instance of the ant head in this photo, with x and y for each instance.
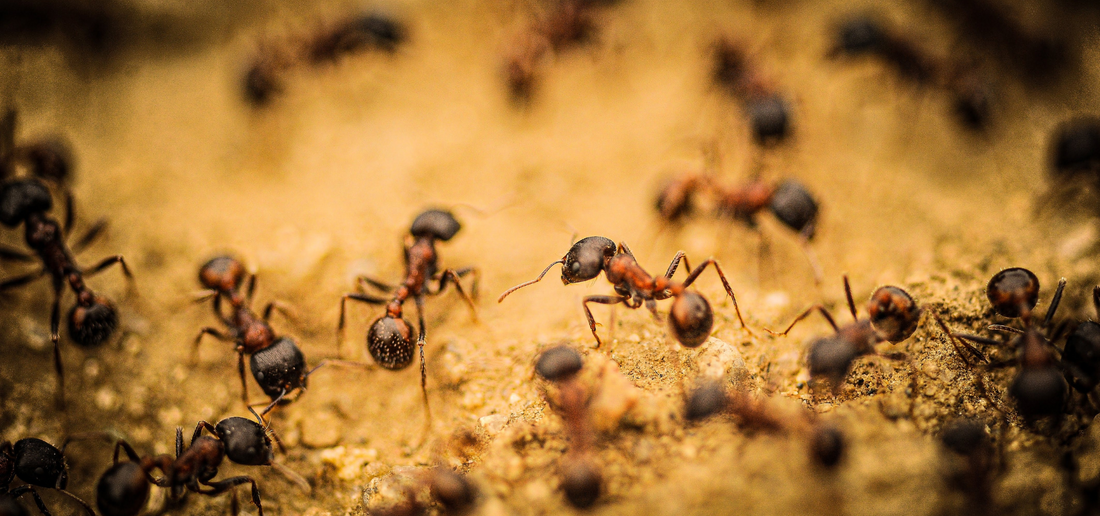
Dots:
(452, 490)
(831, 357)
(91, 323)
(559, 363)
(827, 445)
(1013, 292)
(1081, 356)
(222, 273)
(279, 368)
(390, 342)
(705, 401)
(123, 489)
(770, 118)
(1075, 147)
(674, 200)
(894, 314)
(38, 463)
(964, 436)
(20, 198)
(795, 207)
(1039, 391)
(438, 224)
(586, 259)
(49, 158)
(858, 35)
(581, 481)
(382, 31)
(245, 441)
(690, 319)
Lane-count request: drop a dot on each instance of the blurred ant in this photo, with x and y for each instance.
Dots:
(768, 112)
(449, 488)
(568, 23)
(968, 439)
(970, 92)
(1039, 387)
(390, 337)
(123, 489)
(38, 464)
(49, 157)
(277, 363)
(1075, 149)
(1081, 354)
(582, 481)
(93, 319)
(893, 316)
(690, 317)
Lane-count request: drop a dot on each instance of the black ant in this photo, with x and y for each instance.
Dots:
(968, 439)
(767, 110)
(581, 478)
(865, 35)
(449, 488)
(277, 363)
(1075, 149)
(123, 489)
(1081, 354)
(893, 316)
(93, 319)
(1039, 387)
(390, 338)
(690, 317)
(37, 463)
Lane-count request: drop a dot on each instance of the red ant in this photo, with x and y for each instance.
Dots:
(93, 319)
(582, 480)
(690, 317)
(389, 340)
(277, 363)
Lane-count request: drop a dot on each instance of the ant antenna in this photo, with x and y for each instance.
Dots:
(505, 202)
(532, 282)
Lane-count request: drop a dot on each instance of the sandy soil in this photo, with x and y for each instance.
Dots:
(321, 186)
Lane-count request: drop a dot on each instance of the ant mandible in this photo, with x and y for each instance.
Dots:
(893, 317)
(390, 337)
(690, 317)
(93, 319)
(277, 363)
(123, 489)
(37, 463)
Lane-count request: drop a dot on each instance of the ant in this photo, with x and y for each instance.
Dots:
(277, 363)
(690, 317)
(968, 439)
(581, 478)
(1039, 387)
(1075, 148)
(970, 92)
(123, 489)
(766, 109)
(569, 23)
(364, 31)
(893, 316)
(38, 464)
(93, 319)
(1081, 354)
(449, 488)
(390, 337)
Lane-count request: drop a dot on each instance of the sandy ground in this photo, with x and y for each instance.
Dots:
(321, 186)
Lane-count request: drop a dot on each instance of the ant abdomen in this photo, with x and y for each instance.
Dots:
(91, 325)
(279, 368)
(222, 273)
(770, 117)
(559, 363)
(831, 357)
(439, 224)
(582, 482)
(894, 313)
(1039, 392)
(795, 207)
(122, 490)
(20, 198)
(389, 341)
(858, 35)
(586, 259)
(690, 319)
(1013, 292)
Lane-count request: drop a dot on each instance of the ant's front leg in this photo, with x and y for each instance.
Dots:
(603, 300)
(198, 340)
(729, 290)
(453, 275)
(805, 313)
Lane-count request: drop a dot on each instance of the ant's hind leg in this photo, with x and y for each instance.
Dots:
(217, 488)
(454, 275)
(55, 337)
(721, 275)
(362, 298)
(420, 341)
(363, 281)
(90, 236)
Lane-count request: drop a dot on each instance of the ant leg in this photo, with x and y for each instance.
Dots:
(461, 273)
(1096, 299)
(222, 486)
(89, 236)
(70, 213)
(130, 452)
(676, 264)
(363, 298)
(251, 289)
(24, 489)
(240, 370)
(1003, 328)
(420, 341)
(282, 307)
(453, 275)
(79, 500)
(955, 343)
(848, 294)
(603, 300)
(717, 268)
(806, 313)
(109, 261)
(198, 340)
(19, 281)
(1054, 303)
(55, 337)
(362, 281)
(15, 255)
(811, 256)
(626, 249)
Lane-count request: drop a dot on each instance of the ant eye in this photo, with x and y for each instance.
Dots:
(575, 267)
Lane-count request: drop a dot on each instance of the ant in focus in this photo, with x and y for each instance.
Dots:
(766, 109)
(123, 489)
(38, 464)
(893, 316)
(93, 319)
(690, 317)
(390, 338)
(277, 363)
